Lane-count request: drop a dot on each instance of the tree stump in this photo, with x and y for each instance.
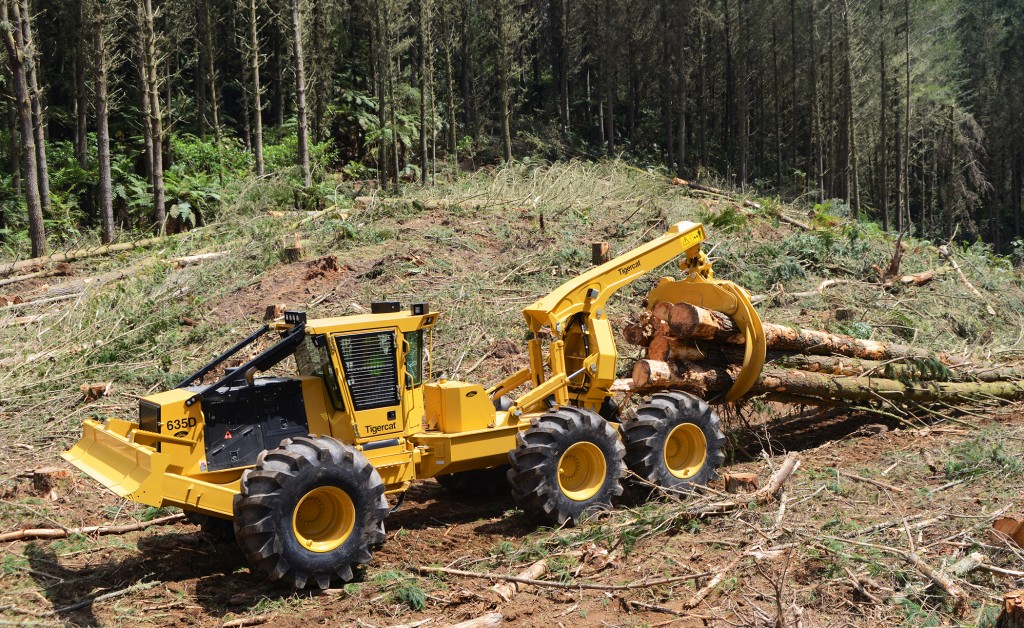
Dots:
(599, 253)
(46, 481)
(294, 251)
(1012, 615)
(740, 482)
(273, 312)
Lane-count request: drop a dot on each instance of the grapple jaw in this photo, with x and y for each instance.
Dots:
(702, 289)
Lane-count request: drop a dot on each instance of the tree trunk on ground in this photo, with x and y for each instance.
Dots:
(692, 322)
(300, 96)
(101, 60)
(704, 379)
(254, 71)
(15, 44)
(36, 98)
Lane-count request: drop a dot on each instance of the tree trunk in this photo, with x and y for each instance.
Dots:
(300, 96)
(81, 89)
(883, 106)
(101, 60)
(426, 72)
(211, 72)
(12, 135)
(36, 98)
(257, 104)
(449, 71)
(153, 91)
(15, 44)
(703, 379)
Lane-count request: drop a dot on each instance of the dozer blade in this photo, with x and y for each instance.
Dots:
(105, 454)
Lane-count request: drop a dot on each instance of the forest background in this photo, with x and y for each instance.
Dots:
(123, 116)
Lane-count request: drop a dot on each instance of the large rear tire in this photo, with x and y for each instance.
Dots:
(674, 441)
(309, 511)
(567, 464)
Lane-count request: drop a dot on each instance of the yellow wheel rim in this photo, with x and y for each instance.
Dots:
(323, 519)
(686, 449)
(581, 471)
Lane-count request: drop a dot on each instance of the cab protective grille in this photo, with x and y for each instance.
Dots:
(371, 369)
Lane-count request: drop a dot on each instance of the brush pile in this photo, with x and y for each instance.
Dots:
(699, 350)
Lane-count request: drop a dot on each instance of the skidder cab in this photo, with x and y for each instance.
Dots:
(301, 464)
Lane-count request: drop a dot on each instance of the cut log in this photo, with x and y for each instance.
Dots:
(740, 482)
(716, 326)
(702, 379)
(648, 326)
(38, 262)
(1012, 614)
(691, 321)
(668, 349)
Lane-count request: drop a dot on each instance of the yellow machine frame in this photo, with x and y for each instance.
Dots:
(444, 426)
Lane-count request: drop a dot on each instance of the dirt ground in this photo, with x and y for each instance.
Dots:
(802, 558)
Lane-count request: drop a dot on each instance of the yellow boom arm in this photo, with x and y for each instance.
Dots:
(582, 355)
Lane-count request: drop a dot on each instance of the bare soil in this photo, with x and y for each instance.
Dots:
(192, 579)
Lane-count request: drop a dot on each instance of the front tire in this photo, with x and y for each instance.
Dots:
(567, 464)
(309, 511)
(674, 441)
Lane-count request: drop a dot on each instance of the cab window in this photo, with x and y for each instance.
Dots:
(414, 358)
(316, 361)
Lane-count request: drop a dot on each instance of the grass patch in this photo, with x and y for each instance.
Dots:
(984, 454)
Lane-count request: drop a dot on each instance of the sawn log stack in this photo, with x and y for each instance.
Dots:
(692, 348)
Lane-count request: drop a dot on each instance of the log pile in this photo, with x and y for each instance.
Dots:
(699, 350)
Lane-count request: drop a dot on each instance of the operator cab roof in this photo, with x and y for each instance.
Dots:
(388, 314)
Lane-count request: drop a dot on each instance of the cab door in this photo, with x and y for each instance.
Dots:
(369, 363)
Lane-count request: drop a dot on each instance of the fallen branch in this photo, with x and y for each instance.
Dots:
(484, 621)
(241, 622)
(61, 533)
(706, 590)
(189, 260)
(135, 588)
(944, 252)
(960, 599)
(858, 478)
(507, 590)
(560, 585)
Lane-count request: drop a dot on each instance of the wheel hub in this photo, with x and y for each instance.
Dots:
(685, 450)
(581, 471)
(324, 518)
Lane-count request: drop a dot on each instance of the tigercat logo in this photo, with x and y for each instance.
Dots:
(377, 429)
(625, 270)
